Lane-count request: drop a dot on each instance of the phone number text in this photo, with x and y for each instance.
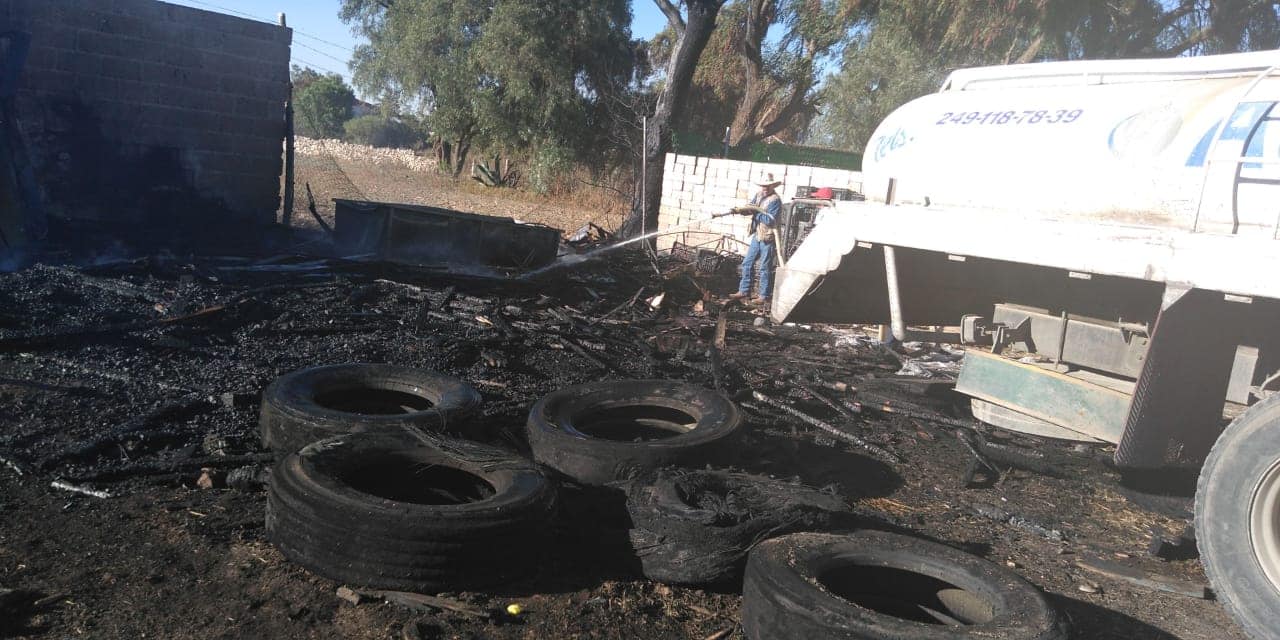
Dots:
(1030, 116)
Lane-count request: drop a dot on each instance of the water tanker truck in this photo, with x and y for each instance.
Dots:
(1104, 234)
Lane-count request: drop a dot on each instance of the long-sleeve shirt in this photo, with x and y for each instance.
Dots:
(772, 205)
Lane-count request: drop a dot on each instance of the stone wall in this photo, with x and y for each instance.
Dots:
(407, 158)
(132, 105)
(695, 188)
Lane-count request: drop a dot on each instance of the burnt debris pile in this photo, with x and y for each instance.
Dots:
(150, 369)
(640, 424)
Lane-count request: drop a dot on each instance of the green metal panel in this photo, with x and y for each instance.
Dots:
(695, 145)
(1048, 395)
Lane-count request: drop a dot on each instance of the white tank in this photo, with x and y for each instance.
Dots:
(1134, 141)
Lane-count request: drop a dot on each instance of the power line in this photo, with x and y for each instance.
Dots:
(335, 58)
(270, 21)
(316, 66)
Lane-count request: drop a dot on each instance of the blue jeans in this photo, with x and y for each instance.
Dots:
(759, 256)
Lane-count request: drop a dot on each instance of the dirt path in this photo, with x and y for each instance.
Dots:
(335, 176)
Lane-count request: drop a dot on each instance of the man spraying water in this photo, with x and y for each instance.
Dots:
(765, 208)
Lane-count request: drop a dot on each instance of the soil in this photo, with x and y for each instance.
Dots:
(165, 558)
(333, 176)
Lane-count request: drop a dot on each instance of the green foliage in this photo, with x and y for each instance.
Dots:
(507, 75)
(547, 164)
(322, 106)
(765, 85)
(381, 131)
(1030, 30)
(302, 77)
(882, 70)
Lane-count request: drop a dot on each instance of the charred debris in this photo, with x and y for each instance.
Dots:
(129, 376)
(147, 370)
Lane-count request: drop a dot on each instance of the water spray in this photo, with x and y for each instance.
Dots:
(575, 259)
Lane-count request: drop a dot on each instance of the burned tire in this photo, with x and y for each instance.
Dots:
(887, 587)
(1238, 519)
(321, 402)
(367, 510)
(605, 431)
(696, 527)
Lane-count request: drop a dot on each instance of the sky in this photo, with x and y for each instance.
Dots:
(323, 42)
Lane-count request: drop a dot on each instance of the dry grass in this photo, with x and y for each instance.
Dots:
(571, 205)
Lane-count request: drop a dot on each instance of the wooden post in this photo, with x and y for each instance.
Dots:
(287, 217)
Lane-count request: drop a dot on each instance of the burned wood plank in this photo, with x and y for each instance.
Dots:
(38, 340)
(14, 466)
(119, 287)
(722, 327)
(446, 297)
(87, 491)
(179, 410)
(838, 408)
(311, 206)
(717, 367)
(416, 601)
(599, 363)
(500, 321)
(615, 310)
(1016, 521)
(980, 460)
(875, 450)
(1144, 579)
(163, 467)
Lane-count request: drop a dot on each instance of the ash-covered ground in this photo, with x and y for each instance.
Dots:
(130, 377)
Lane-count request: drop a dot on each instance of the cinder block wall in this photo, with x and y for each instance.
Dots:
(123, 101)
(695, 188)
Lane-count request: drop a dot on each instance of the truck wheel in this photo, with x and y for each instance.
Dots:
(321, 402)
(881, 586)
(1238, 518)
(371, 511)
(605, 431)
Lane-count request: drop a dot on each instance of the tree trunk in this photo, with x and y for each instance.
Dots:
(451, 156)
(693, 34)
(746, 119)
(460, 149)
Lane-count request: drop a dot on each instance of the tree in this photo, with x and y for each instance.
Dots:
(691, 30)
(302, 77)
(882, 69)
(378, 130)
(509, 76)
(1028, 30)
(762, 86)
(910, 45)
(322, 106)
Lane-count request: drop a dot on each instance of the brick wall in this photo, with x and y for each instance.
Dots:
(125, 101)
(695, 188)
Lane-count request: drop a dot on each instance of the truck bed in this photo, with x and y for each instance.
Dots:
(1242, 265)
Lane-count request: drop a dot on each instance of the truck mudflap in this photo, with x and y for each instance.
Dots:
(1176, 412)
(821, 252)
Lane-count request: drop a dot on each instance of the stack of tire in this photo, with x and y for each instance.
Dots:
(380, 489)
(700, 526)
(377, 488)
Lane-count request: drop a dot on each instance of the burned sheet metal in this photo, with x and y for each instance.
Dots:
(420, 235)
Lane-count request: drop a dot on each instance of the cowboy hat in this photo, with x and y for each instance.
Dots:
(769, 181)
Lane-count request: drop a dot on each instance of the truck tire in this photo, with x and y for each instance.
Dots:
(312, 404)
(605, 431)
(370, 511)
(696, 527)
(873, 585)
(1238, 519)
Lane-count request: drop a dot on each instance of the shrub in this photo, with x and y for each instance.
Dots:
(378, 131)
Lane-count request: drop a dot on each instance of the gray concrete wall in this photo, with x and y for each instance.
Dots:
(126, 102)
